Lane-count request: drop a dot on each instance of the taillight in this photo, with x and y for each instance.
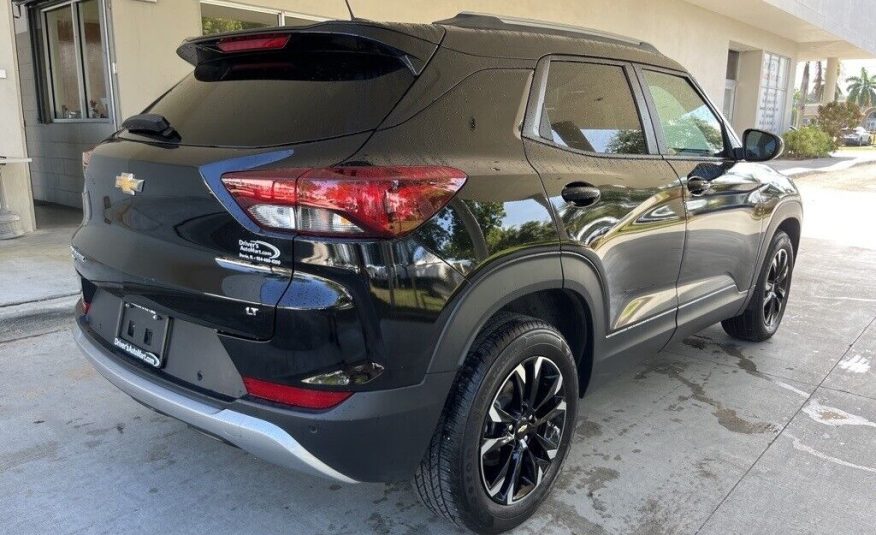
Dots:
(294, 396)
(248, 43)
(382, 202)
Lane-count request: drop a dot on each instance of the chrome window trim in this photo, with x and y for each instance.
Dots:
(537, 93)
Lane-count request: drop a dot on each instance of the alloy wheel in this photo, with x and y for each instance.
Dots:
(776, 288)
(522, 430)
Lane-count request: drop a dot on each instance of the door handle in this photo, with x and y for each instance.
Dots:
(581, 194)
(697, 185)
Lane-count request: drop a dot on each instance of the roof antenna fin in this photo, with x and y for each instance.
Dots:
(350, 9)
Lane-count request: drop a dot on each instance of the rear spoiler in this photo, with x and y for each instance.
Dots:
(414, 44)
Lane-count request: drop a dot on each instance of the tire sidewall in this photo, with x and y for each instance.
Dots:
(780, 241)
(485, 512)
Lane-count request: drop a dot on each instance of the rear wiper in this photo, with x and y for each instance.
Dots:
(150, 124)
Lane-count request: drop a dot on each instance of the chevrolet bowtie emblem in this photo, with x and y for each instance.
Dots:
(128, 184)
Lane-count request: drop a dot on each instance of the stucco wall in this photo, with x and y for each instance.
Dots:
(15, 183)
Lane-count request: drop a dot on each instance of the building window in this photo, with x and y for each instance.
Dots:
(218, 16)
(773, 90)
(76, 61)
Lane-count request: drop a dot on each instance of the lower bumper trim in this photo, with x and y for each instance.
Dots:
(259, 437)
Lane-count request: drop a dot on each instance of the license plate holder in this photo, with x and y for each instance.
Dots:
(143, 334)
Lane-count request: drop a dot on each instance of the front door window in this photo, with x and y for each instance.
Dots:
(689, 126)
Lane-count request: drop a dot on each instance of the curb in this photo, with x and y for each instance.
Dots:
(839, 166)
(33, 318)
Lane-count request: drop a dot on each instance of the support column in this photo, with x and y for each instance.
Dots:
(16, 177)
(830, 78)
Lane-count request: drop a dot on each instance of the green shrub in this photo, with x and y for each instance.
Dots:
(808, 142)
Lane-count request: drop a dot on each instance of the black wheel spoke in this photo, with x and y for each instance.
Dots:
(514, 477)
(492, 444)
(498, 415)
(549, 393)
(519, 377)
(556, 410)
(535, 382)
(498, 482)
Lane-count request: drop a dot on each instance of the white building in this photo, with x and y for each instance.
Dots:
(72, 70)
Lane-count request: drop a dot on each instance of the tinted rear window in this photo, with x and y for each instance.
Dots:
(327, 88)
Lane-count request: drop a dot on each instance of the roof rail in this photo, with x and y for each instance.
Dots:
(487, 21)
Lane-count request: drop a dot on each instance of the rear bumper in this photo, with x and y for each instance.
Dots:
(259, 437)
(376, 436)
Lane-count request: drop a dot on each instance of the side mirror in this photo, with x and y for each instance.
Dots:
(760, 146)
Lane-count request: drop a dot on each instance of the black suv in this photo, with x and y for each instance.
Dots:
(377, 251)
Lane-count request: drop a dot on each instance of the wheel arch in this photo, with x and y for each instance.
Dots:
(788, 217)
(535, 285)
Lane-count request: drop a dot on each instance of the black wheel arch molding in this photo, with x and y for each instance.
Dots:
(787, 215)
(511, 279)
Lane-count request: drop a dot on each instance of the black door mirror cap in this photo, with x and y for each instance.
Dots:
(760, 145)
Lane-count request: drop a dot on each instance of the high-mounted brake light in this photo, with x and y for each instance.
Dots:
(374, 202)
(249, 43)
(294, 396)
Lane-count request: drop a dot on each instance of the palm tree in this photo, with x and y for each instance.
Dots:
(818, 85)
(862, 89)
(804, 90)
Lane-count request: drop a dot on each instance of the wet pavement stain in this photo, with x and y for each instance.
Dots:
(743, 361)
(653, 520)
(588, 428)
(727, 418)
(595, 480)
(703, 470)
(49, 451)
(696, 343)
(565, 517)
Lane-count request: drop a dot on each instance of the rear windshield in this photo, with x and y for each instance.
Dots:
(322, 90)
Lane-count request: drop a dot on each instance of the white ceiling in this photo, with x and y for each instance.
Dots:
(825, 29)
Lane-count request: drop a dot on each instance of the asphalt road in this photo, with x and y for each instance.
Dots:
(711, 436)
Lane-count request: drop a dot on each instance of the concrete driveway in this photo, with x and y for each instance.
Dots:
(711, 436)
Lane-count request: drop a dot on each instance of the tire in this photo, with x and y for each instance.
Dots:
(761, 318)
(481, 411)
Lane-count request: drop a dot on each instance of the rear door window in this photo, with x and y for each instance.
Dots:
(590, 107)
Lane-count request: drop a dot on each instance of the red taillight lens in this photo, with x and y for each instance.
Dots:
(253, 42)
(291, 395)
(362, 201)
